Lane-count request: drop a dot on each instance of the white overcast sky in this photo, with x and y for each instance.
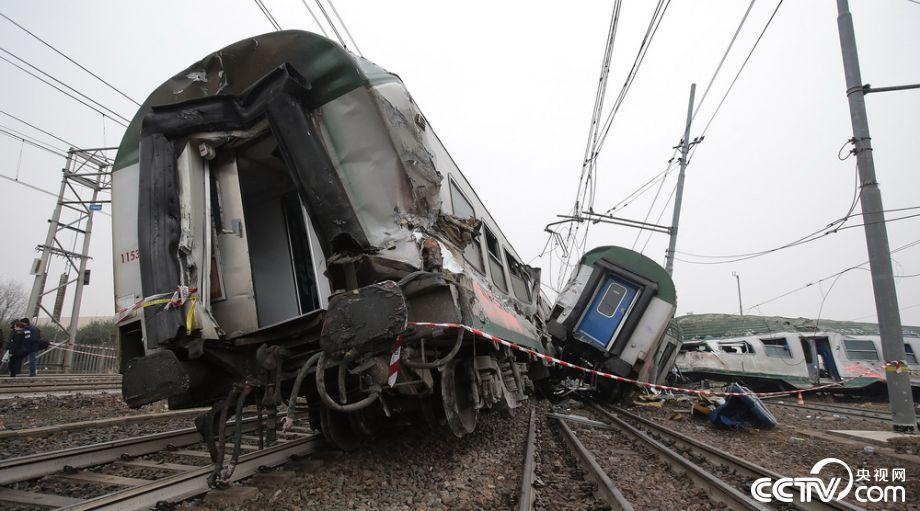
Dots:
(509, 87)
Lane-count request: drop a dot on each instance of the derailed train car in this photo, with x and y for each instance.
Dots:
(614, 315)
(771, 353)
(283, 215)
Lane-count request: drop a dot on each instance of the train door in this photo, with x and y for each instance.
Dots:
(194, 248)
(811, 359)
(827, 367)
(609, 307)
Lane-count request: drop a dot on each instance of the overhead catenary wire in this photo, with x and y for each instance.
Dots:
(721, 62)
(315, 19)
(268, 15)
(741, 69)
(27, 123)
(344, 26)
(331, 24)
(113, 115)
(833, 275)
(71, 60)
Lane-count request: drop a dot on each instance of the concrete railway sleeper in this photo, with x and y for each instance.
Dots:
(715, 456)
(127, 465)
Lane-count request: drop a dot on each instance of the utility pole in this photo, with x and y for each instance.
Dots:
(679, 193)
(886, 298)
(738, 280)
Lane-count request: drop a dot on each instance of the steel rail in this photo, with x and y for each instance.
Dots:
(604, 487)
(58, 390)
(526, 497)
(842, 410)
(99, 423)
(721, 457)
(717, 489)
(195, 482)
(42, 464)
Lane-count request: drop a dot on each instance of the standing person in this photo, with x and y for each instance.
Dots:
(17, 347)
(33, 344)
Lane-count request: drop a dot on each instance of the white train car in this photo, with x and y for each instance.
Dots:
(784, 353)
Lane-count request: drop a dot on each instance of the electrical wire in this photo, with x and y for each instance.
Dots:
(721, 62)
(268, 15)
(72, 61)
(315, 19)
(344, 26)
(741, 69)
(806, 286)
(59, 139)
(331, 24)
(10, 132)
(800, 242)
(124, 121)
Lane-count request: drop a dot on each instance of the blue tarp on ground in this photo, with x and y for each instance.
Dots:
(742, 411)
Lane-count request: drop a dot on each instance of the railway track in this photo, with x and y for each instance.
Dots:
(137, 473)
(58, 385)
(878, 415)
(723, 478)
(739, 471)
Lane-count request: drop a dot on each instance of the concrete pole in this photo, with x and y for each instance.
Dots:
(679, 193)
(886, 297)
(738, 280)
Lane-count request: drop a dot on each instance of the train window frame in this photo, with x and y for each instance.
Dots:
(516, 270)
(773, 348)
(857, 353)
(909, 355)
(495, 258)
(455, 191)
(694, 347)
(747, 348)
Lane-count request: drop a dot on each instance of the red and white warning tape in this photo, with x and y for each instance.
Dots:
(553, 360)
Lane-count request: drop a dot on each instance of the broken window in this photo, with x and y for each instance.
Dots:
(495, 260)
(463, 209)
(860, 349)
(520, 282)
(699, 347)
(736, 347)
(909, 355)
(777, 347)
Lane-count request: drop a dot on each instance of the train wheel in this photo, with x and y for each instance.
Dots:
(457, 398)
(338, 431)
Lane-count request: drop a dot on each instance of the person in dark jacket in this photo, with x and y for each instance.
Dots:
(33, 343)
(17, 347)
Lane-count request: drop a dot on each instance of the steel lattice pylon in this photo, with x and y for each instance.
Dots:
(86, 174)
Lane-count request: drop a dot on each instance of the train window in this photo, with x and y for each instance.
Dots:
(520, 282)
(778, 347)
(700, 347)
(860, 349)
(909, 355)
(463, 209)
(736, 347)
(495, 260)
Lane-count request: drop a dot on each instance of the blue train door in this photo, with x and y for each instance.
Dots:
(609, 307)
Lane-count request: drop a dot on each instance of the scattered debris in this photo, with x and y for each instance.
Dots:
(742, 411)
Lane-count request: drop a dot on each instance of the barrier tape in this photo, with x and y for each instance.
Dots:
(172, 300)
(553, 360)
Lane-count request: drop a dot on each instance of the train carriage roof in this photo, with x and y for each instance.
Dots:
(723, 326)
(636, 263)
(330, 69)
